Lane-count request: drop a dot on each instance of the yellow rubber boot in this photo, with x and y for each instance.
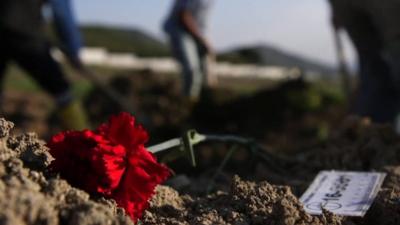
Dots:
(73, 117)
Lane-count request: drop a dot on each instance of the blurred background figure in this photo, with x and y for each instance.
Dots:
(22, 40)
(185, 26)
(374, 30)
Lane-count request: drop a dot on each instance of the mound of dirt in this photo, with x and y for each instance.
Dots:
(358, 145)
(30, 195)
(385, 210)
(165, 113)
(245, 203)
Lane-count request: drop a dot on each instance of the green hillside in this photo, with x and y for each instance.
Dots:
(123, 40)
(272, 56)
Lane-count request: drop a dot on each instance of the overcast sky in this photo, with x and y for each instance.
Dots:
(301, 27)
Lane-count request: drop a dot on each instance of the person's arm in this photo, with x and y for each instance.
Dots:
(188, 22)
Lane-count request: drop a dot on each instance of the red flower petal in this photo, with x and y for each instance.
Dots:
(146, 175)
(121, 129)
(72, 153)
(111, 161)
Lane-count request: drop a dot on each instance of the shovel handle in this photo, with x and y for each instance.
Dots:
(114, 96)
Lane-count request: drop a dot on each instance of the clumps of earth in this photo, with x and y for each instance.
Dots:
(30, 194)
(246, 203)
(251, 203)
(357, 145)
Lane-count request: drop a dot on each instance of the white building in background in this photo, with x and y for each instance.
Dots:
(101, 57)
(95, 56)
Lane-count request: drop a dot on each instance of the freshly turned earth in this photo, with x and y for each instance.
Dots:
(30, 194)
(246, 203)
(357, 145)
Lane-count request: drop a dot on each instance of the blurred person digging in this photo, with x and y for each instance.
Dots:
(373, 27)
(22, 40)
(185, 26)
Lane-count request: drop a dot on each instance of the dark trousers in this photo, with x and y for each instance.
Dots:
(379, 89)
(33, 55)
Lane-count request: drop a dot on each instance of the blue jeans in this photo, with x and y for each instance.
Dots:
(192, 60)
(67, 28)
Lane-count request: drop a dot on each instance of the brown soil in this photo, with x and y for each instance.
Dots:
(259, 203)
(358, 145)
(31, 195)
(245, 203)
(28, 195)
(160, 107)
(280, 117)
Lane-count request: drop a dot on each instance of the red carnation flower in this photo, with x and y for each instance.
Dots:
(111, 161)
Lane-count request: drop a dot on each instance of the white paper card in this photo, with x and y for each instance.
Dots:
(342, 193)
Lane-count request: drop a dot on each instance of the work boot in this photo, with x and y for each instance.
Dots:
(73, 116)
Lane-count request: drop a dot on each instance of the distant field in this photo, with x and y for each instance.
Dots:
(18, 80)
